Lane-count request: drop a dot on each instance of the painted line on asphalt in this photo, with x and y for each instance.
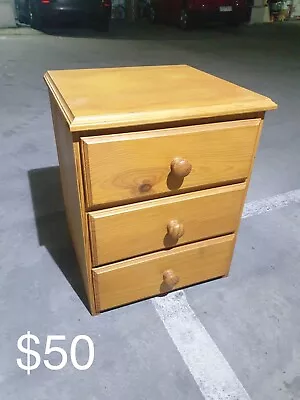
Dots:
(212, 373)
(271, 203)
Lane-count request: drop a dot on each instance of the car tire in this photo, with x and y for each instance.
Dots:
(19, 16)
(184, 20)
(35, 20)
(152, 15)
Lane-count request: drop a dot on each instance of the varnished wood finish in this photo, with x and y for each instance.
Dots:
(134, 166)
(155, 165)
(175, 230)
(247, 184)
(170, 279)
(142, 277)
(70, 173)
(180, 167)
(137, 96)
(127, 231)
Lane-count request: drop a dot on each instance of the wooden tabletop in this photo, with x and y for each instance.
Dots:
(120, 97)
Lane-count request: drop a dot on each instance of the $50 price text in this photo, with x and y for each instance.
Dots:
(33, 358)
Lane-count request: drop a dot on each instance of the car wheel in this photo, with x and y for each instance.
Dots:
(152, 15)
(184, 21)
(19, 16)
(35, 19)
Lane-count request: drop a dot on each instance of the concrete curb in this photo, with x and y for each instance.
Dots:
(19, 31)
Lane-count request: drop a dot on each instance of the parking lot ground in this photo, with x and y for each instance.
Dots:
(252, 316)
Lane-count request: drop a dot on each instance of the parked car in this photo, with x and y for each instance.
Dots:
(38, 12)
(187, 12)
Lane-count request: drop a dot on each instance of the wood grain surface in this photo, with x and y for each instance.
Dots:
(135, 166)
(131, 230)
(145, 276)
(72, 187)
(248, 182)
(155, 165)
(119, 97)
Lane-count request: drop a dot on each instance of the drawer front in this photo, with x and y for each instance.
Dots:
(129, 167)
(128, 231)
(151, 275)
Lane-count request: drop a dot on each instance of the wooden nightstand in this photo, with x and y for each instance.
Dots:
(155, 164)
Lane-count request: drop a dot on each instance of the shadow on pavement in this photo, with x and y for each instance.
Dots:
(51, 224)
(140, 30)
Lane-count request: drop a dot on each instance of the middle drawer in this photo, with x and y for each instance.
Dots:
(127, 231)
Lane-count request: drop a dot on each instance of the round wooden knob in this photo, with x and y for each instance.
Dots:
(180, 167)
(175, 229)
(170, 278)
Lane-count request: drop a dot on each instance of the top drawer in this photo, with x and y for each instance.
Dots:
(129, 167)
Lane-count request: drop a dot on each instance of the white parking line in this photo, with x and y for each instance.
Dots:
(212, 373)
(271, 203)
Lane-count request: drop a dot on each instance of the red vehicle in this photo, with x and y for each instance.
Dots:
(187, 12)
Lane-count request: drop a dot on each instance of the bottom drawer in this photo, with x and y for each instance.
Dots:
(141, 277)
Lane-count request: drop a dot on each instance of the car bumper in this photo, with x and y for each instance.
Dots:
(54, 11)
(240, 15)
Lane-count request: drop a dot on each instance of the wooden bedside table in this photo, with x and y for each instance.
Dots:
(155, 164)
